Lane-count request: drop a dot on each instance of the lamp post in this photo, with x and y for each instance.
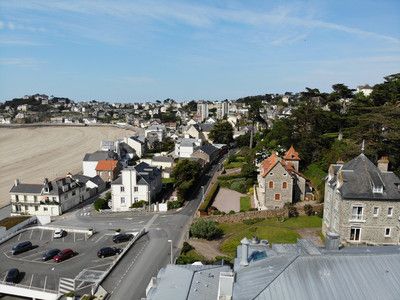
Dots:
(202, 193)
(171, 259)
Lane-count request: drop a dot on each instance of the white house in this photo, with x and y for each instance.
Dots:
(156, 129)
(186, 146)
(136, 143)
(365, 89)
(91, 159)
(141, 182)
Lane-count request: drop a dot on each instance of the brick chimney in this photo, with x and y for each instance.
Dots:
(383, 164)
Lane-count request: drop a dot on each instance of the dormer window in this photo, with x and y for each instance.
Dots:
(377, 189)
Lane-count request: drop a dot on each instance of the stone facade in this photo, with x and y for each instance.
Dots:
(360, 219)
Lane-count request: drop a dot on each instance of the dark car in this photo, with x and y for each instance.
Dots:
(108, 251)
(50, 254)
(63, 255)
(122, 237)
(12, 275)
(21, 247)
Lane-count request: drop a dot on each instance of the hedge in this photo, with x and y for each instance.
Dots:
(209, 199)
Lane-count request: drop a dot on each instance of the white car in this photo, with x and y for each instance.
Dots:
(58, 233)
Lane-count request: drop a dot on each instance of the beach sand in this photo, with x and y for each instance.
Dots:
(31, 154)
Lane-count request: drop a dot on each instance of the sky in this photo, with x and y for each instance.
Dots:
(129, 51)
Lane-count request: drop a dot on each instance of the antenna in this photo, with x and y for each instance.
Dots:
(363, 146)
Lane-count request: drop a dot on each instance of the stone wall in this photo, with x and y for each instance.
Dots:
(272, 213)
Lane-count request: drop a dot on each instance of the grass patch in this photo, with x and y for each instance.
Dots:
(270, 229)
(167, 180)
(245, 204)
(189, 257)
(317, 176)
(12, 221)
(233, 165)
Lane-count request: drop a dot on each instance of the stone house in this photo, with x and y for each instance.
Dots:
(362, 202)
(108, 170)
(207, 153)
(279, 181)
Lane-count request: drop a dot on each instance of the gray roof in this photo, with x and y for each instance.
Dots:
(163, 159)
(208, 149)
(187, 142)
(360, 176)
(206, 127)
(100, 155)
(177, 282)
(147, 173)
(138, 139)
(26, 188)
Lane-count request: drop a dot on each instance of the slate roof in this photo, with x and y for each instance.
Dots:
(147, 173)
(100, 155)
(208, 149)
(206, 127)
(163, 159)
(361, 176)
(138, 139)
(26, 188)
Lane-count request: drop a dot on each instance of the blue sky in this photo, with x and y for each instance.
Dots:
(148, 50)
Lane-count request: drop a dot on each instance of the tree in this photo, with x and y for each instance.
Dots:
(186, 170)
(222, 133)
(205, 230)
(389, 91)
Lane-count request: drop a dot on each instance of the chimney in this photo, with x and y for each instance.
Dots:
(245, 252)
(16, 182)
(383, 164)
(225, 286)
(69, 175)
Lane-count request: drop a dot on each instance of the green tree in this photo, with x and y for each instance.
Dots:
(222, 133)
(205, 229)
(186, 170)
(388, 91)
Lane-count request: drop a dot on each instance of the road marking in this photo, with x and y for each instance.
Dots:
(4, 279)
(74, 236)
(31, 280)
(30, 237)
(19, 236)
(41, 235)
(45, 281)
(151, 221)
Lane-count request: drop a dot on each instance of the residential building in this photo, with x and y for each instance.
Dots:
(202, 111)
(155, 131)
(222, 109)
(362, 202)
(279, 181)
(164, 163)
(52, 198)
(185, 147)
(207, 153)
(199, 131)
(136, 183)
(137, 143)
(365, 89)
(108, 170)
(90, 161)
(298, 271)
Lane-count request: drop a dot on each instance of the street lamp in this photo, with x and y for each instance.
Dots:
(202, 193)
(171, 259)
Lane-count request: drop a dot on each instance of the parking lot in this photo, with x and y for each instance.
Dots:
(45, 275)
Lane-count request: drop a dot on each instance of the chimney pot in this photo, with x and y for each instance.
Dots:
(16, 182)
(245, 252)
(383, 164)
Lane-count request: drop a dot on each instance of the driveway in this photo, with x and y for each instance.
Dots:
(227, 200)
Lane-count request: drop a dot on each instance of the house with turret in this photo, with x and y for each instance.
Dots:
(279, 181)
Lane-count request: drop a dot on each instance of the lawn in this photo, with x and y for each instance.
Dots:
(12, 221)
(245, 204)
(233, 165)
(168, 180)
(270, 229)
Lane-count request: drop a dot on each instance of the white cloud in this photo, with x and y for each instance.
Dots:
(20, 62)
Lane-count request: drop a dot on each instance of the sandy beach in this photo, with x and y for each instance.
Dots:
(31, 154)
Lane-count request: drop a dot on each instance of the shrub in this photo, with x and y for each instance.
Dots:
(139, 204)
(209, 199)
(308, 209)
(205, 230)
(174, 204)
(292, 210)
(184, 189)
(239, 186)
(108, 196)
(100, 203)
(186, 248)
(231, 212)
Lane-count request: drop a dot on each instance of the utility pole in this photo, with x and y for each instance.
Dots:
(251, 137)
(171, 256)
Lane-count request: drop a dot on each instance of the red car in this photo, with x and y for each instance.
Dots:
(63, 255)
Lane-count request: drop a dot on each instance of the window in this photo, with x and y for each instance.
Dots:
(45, 209)
(271, 184)
(277, 197)
(16, 198)
(376, 211)
(284, 185)
(36, 208)
(34, 198)
(24, 198)
(355, 234)
(73, 193)
(357, 213)
(387, 232)
(136, 199)
(122, 200)
(26, 208)
(122, 189)
(135, 189)
(53, 198)
(390, 211)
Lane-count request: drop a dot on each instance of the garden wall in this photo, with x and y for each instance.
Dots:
(273, 213)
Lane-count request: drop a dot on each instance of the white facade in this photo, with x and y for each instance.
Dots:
(137, 145)
(222, 109)
(89, 168)
(185, 147)
(202, 111)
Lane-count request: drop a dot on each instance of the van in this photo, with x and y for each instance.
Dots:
(21, 247)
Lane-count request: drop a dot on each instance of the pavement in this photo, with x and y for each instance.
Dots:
(227, 200)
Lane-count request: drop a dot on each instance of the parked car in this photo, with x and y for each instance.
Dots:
(108, 251)
(50, 254)
(63, 255)
(21, 247)
(58, 233)
(122, 237)
(12, 275)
